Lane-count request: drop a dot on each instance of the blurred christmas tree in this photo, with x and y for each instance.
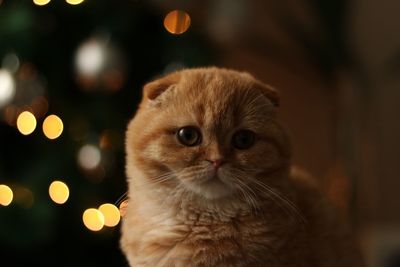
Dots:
(85, 63)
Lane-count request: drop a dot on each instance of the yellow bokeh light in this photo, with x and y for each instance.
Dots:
(41, 2)
(52, 127)
(177, 22)
(58, 192)
(111, 214)
(93, 219)
(74, 2)
(6, 195)
(26, 123)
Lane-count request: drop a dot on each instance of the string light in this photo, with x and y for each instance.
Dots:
(6, 195)
(41, 2)
(177, 22)
(7, 87)
(59, 192)
(74, 2)
(111, 214)
(52, 127)
(93, 219)
(26, 123)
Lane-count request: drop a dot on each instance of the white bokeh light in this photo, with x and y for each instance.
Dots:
(11, 62)
(89, 157)
(7, 87)
(90, 58)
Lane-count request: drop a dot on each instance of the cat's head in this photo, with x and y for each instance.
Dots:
(210, 131)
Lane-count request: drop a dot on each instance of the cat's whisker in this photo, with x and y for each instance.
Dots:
(289, 204)
(121, 199)
(247, 191)
(245, 196)
(189, 175)
(252, 193)
(160, 179)
(168, 176)
(195, 175)
(281, 204)
(282, 201)
(245, 170)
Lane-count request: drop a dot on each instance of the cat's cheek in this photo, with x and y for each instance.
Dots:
(178, 155)
(165, 150)
(262, 156)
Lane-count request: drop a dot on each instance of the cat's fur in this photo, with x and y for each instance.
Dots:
(255, 212)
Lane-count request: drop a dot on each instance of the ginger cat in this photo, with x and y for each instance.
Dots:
(210, 181)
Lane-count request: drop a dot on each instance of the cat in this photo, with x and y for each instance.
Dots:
(211, 183)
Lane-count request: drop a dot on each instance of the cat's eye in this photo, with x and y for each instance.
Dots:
(189, 136)
(243, 139)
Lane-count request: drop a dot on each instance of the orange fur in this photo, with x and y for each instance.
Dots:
(252, 212)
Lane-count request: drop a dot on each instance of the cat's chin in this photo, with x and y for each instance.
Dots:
(213, 189)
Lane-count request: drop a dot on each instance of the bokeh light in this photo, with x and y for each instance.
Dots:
(41, 2)
(26, 123)
(11, 113)
(23, 196)
(111, 139)
(177, 22)
(99, 64)
(7, 87)
(93, 219)
(74, 2)
(6, 195)
(52, 127)
(39, 106)
(89, 157)
(90, 58)
(11, 62)
(113, 79)
(59, 192)
(111, 214)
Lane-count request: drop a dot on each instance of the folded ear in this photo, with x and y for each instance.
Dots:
(269, 92)
(154, 89)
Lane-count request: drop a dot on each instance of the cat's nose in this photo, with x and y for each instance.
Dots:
(216, 162)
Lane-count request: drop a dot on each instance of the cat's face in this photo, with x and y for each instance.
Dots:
(210, 131)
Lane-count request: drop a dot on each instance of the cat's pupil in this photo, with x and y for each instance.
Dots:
(189, 136)
(243, 139)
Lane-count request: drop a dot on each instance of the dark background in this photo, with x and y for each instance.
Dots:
(335, 63)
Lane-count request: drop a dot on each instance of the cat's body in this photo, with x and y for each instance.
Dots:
(210, 183)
